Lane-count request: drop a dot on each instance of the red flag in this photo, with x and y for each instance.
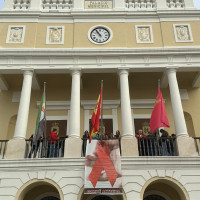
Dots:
(95, 117)
(159, 115)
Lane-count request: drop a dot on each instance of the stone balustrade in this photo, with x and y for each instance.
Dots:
(57, 4)
(64, 5)
(175, 3)
(21, 4)
(140, 4)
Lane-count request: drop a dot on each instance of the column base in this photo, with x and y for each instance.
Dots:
(186, 146)
(129, 146)
(73, 147)
(15, 149)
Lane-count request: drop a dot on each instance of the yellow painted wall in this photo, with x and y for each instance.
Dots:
(76, 35)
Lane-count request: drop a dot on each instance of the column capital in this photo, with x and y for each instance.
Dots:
(123, 71)
(74, 71)
(28, 71)
(171, 70)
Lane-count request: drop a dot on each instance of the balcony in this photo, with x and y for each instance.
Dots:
(68, 5)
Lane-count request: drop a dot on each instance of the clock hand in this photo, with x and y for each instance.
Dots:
(98, 33)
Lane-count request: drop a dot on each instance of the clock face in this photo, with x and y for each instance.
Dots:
(100, 35)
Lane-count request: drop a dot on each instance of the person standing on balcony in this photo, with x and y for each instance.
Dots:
(53, 143)
(164, 143)
(141, 142)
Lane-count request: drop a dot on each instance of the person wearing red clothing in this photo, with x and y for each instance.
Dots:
(53, 143)
(141, 142)
(54, 136)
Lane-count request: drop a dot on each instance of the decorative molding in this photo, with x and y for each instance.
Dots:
(142, 103)
(15, 34)
(55, 35)
(107, 104)
(182, 33)
(144, 34)
(56, 105)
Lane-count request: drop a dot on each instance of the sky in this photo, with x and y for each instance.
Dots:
(196, 3)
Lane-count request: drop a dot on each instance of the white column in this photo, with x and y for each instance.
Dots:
(74, 123)
(127, 126)
(35, 5)
(23, 111)
(86, 120)
(179, 119)
(115, 120)
(78, 4)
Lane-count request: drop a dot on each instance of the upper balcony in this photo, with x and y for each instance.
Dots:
(89, 5)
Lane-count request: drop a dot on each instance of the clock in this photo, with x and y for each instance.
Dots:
(99, 35)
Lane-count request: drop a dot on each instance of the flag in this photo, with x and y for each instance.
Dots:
(40, 123)
(95, 117)
(159, 115)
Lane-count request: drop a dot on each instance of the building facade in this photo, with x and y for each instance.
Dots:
(74, 44)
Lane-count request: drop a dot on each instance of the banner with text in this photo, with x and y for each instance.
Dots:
(103, 167)
(98, 4)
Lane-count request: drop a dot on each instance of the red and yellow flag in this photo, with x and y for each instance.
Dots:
(159, 116)
(95, 117)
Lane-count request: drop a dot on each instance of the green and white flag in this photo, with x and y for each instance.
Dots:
(40, 123)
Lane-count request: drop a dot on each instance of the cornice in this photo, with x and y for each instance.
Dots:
(91, 15)
(167, 50)
(128, 163)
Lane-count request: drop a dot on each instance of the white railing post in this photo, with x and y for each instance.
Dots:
(8, 5)
(119, 4)
(161, 4)
(78, 4)
(35, 5)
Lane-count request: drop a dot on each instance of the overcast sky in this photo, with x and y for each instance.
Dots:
(196, 2)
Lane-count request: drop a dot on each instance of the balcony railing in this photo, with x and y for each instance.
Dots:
(57, 4)
(45, 148)
(3, 144)
(140, 4)
(67, 5)
(197, 143)
(21, 4)
(154, 146)
(175, 3)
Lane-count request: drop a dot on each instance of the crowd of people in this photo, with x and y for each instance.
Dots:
(105, 136)
(157, 144)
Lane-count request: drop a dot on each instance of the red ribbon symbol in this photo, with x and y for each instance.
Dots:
(103, 162)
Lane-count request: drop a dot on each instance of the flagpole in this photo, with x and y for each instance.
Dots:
(101, 109)
(45, 145)
(158, 83)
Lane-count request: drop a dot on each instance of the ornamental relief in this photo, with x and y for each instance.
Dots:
(144, 34)
(15, 35)
(182, 33)
(55, 35)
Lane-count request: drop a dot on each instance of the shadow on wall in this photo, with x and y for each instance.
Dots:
(189, 124)
(11, 127)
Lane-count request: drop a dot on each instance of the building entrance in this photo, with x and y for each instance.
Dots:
(154, 197)
(102, 197)
(50, 198)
